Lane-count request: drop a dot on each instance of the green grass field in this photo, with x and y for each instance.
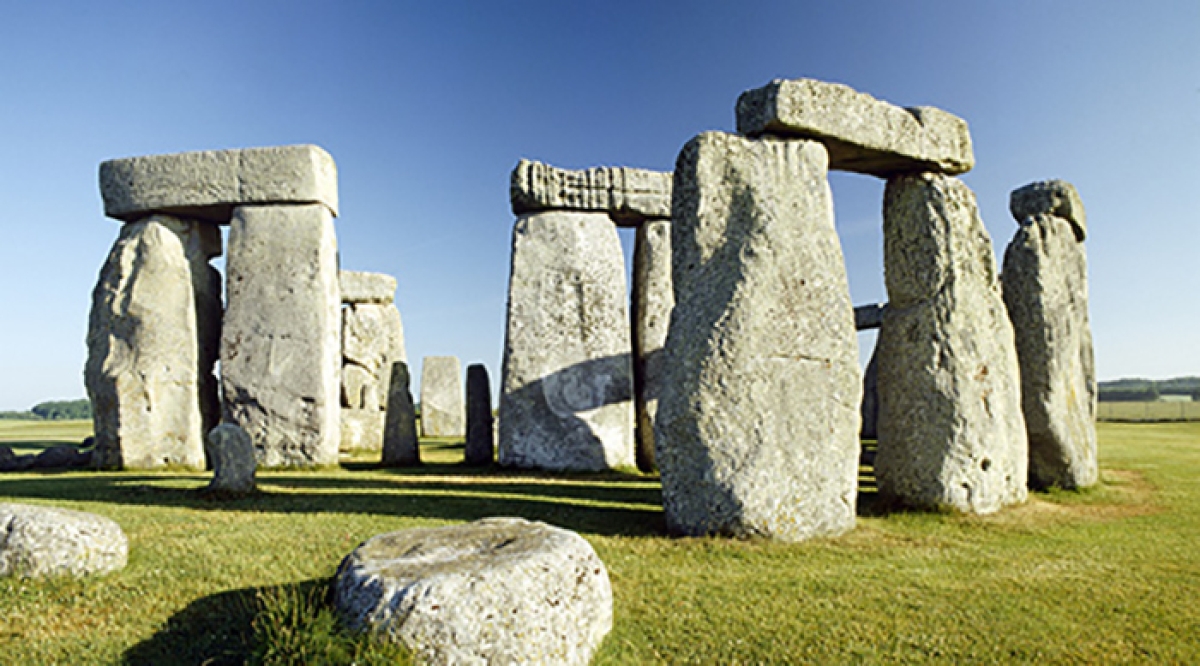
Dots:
(1148, 411)
(1110, 575)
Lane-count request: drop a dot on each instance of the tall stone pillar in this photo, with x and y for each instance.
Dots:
(372, 341)
(443, 413)
(401, 447)
(1045, 289)
(757, 431)
(652, 302)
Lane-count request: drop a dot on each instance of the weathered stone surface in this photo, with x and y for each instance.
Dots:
(495, 591)
(372, 340)
(443, 413)
(42, 541)
(862, 134)
(281, 344)
(209, 184)
(652, 302)
(362, 287)
(566, 398)
(362, 429)
(400, 444)
(143, 351)
(950, 426)
(757, 428)
(867, 317)
(1050, 197)
(1045, 289)
(870, 400)
(481, 431)
(232, 455)
(629, 196)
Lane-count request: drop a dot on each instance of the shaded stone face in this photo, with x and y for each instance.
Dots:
(757, 425)
(400, 443)
(629, 196)
(232, 455)
(481, 434)
(950, 426)
(442, 410)
(653, 300)
(1045, 289)
(144, 355)
(281, 343)
(567, 387)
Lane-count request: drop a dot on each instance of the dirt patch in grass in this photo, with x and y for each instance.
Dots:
(1120, 494)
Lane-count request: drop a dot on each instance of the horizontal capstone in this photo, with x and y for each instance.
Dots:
(629, 196)
(363, 287)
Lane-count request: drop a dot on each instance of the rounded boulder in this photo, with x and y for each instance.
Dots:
(44, 541)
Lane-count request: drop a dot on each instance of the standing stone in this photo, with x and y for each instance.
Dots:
(442, 411)
(1045, 289)
(281, 344)
(653, 300)
(870, 399)
(372, 340)
(481, 433)
(950, 427)
(566, 400)
(232, 455)
(143, 352)
(400, 444)
(757, 431)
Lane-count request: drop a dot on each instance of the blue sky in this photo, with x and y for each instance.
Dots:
(426, 107)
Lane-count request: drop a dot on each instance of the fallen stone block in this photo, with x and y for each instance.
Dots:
(629, 196)
(43, 541)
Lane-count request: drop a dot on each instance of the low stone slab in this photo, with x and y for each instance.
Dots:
(208, 184)
(43, 541)
(363, 287)
(232, 455)
(862, 134)
(1050, 197)
(495, 591)
(443, 413)
(629, 196)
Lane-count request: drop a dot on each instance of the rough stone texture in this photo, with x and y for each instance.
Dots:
(481, 431)
(652, 302)
(1050, 197)
(281, 344)
(400, 444)
(209, 184)
(232, 455)
(372, 340)
(870, 400)
(362, 429)
(143, 352)
(495, 591)
(950, 428)
(757, 430)
(443, 413)
(566, 398)
(1045, 289)
(41, 541)
(361, 287)
(862, 134)
(867, 317)
(629, 196)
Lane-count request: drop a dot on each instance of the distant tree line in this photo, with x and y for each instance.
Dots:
(54, 410)
(1143, 390)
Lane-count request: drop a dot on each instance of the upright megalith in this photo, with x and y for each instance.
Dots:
(950, 426)
(401, 447)
(757, 426)
(443, 413)
(372, 341)
(481, 432)
(1045, 289)
(652, 302)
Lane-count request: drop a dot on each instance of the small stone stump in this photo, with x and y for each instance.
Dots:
(232, 454)
(43, 541)
(496, 591)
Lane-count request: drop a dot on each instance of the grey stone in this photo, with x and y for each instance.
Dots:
(443, 413)
(1045, 290)
(372, 339)
(281, 342)
(870, 399)
(629, 196)
(361, 287)
(362, 429)
(757, 426)
(481, 432)
(209, 184)
(143, 350)
(867, 317)
(862, 134)
(950, 428)
(400, 444)
(232, 455)
(495, 591)
(566, 399)
(61, 456)
(652, 302)
(1050, 197)
(17, 463)
(43, 541)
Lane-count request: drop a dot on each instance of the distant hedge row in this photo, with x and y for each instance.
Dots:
(54, 410)
(1146, 390)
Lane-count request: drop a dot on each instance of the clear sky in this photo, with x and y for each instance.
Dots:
(426, 107)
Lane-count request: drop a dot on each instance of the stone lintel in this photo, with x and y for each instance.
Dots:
(209, 184)
(869, 316)
(363, 287)
(861, 133)
(1050, 197)
(629, 196)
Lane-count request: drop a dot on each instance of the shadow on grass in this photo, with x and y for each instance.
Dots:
(216, 630)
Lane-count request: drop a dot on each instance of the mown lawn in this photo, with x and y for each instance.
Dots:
(1109, 575)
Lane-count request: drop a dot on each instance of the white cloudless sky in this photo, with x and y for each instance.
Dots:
(426, 107)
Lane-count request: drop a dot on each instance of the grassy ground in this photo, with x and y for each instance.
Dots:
(1148, 411)
(1108, 575)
